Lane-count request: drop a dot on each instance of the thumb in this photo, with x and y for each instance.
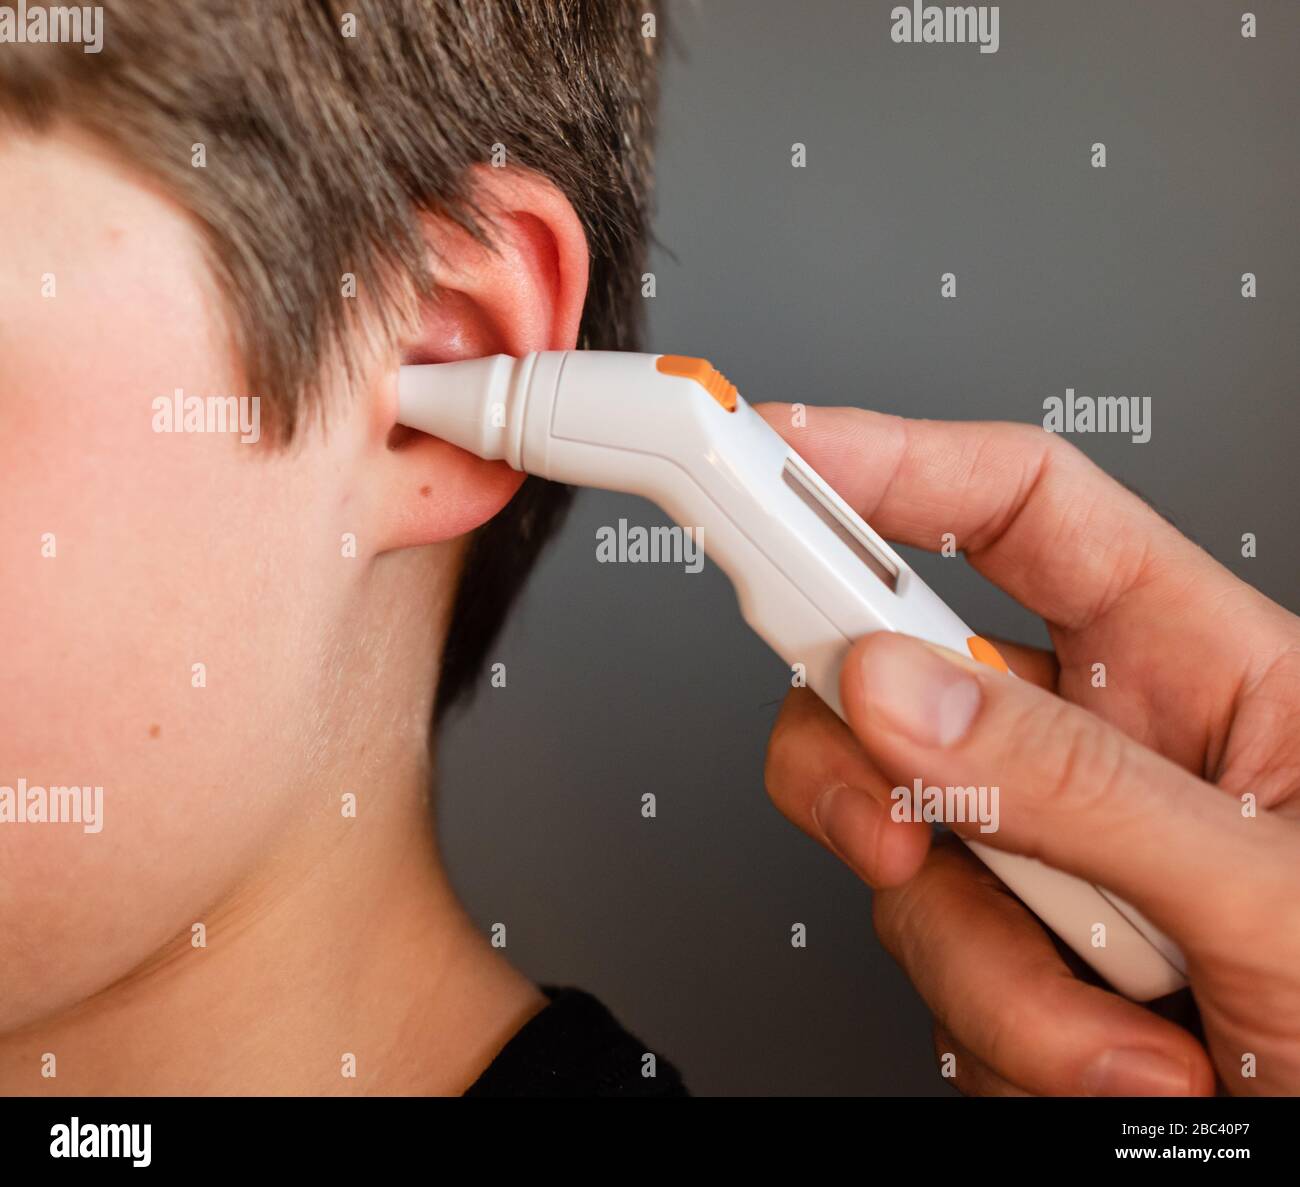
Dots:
(1073, 791)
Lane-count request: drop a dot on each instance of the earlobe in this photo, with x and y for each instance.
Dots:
(443, 492)
(521, 291)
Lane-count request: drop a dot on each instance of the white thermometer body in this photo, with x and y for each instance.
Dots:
(810, 575)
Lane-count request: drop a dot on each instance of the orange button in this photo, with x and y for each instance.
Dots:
(704, 373)
(986, 653)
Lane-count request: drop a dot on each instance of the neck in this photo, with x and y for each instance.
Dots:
(344, 966)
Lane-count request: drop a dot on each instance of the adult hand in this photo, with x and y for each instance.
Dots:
(1175, 782)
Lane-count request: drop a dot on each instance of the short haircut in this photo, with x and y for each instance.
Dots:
(323, 149)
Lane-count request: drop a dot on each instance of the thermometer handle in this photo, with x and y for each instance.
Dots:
(809, 573)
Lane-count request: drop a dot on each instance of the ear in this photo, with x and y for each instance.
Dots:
(522, 291)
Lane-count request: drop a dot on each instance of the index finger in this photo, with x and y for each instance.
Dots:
(1030, 512)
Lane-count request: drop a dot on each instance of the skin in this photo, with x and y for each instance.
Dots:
(223, 804)
(1137, 786)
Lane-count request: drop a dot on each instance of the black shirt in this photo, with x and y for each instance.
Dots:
(575, 1047)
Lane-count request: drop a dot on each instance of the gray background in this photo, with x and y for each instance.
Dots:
(822, 285)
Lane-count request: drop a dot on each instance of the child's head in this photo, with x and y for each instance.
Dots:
(270, 199)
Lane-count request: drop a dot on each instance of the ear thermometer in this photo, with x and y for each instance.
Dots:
(810, 575)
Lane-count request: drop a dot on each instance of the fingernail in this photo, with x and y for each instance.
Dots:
(1129, 1071)
(919, 692)
(849, 821)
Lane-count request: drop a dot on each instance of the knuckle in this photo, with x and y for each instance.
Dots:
(895, 919)
(1055, 448)
(1086, 765)
(1003, 1038)
(1032, 445)
(905, 919)
(884, 918)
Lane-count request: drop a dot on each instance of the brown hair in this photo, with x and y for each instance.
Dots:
(321, 151)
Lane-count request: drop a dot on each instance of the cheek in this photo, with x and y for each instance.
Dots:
(144, 584)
